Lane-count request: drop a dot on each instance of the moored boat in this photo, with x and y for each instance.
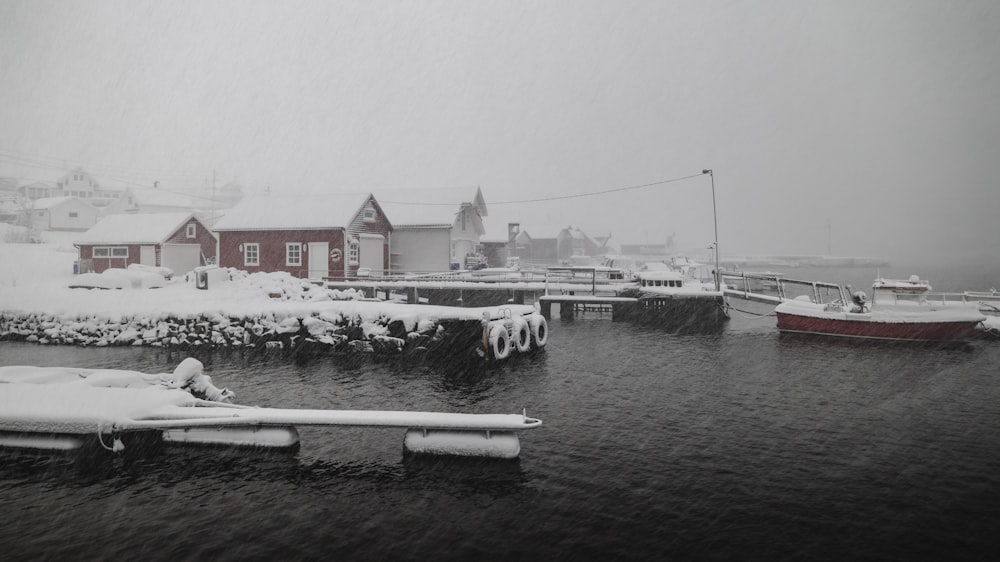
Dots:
(674, 300)
(855, 317)
(914, 285)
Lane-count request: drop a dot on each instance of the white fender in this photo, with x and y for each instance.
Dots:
(499, 342)
(522, 335)
(539, 331)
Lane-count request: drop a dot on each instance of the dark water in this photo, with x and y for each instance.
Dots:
(742, 445)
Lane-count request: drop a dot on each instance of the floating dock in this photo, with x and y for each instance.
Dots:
(64, 408)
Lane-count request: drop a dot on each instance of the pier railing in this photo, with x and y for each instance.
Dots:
(774, 289)
(595, 281)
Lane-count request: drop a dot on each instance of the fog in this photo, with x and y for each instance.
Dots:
(839, 127)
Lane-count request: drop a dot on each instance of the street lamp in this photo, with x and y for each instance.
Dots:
(715, 219)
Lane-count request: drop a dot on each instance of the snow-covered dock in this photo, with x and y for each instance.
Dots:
(262, 311)
(64, 408)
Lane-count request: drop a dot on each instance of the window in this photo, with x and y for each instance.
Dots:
(74, 215)
(293, 253)
(110, 251)
(369, 214)
(190, 230)
(251, 254)
(353, 252)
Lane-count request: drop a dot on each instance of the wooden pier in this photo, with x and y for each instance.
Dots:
(570, 304)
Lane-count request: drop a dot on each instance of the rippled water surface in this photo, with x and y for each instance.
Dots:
(738, 445)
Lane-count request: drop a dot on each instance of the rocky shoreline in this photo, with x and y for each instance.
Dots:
(318, 332)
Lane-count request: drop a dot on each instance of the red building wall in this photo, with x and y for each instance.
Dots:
(272, 246)
(379, 226)
(203, 237)
(98, 265)
(272, 249)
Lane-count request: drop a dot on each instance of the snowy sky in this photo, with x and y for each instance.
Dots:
(869, 128)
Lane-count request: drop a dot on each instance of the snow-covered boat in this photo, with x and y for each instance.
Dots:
(914, 285)
(65, 408)
(907, 320)
(673, 299)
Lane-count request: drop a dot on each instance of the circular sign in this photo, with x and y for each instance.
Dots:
(336, 254)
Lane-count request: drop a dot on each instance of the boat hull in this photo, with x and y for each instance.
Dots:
(866, 328)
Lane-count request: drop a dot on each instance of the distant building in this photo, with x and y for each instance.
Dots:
(61, 213)
(75, 183)
(646, 249)
(551, 245)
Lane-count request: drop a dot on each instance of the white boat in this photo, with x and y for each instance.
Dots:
(900, 310)
(66, 408)
(912, 286)
(675, 300)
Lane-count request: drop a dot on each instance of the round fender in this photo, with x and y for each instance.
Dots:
(539, 331)
(499, 342)
(522, 335)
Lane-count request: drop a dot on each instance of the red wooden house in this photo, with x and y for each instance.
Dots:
(178, 241)
(314, 237)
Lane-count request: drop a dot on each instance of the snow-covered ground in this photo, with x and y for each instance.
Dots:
(35, 278)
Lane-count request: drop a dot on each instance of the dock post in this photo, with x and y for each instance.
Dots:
(545, 308)
(567, 310)
(411, 295)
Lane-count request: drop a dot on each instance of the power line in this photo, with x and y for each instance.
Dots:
(60, 164)
(560, 197)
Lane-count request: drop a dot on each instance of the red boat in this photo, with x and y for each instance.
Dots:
(919, 321)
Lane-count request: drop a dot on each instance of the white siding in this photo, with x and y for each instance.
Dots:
(420, 250)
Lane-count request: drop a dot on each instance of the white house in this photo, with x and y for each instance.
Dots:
(75, 183)
(61, 213)
(434, 229)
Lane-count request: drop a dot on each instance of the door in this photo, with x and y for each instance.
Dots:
(181, 258)
(319, 263)
(147, 255)
(372, 254)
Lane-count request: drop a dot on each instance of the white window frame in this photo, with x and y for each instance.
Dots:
(247, 246)
(191, 230)
(293, 253)
(353, 252)
(110, 252)
(368, 214)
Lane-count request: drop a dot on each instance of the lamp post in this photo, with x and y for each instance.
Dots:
(715, 220)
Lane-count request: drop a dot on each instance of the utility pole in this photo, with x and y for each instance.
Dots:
(213, 195)
(715, 220)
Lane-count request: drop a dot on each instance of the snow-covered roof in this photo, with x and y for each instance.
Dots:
(543, 232)
(425, 207)
(270, 212)
(145, 196)
(134, 228)
(49, 202)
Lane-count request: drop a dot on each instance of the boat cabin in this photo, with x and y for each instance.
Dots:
(660, 279)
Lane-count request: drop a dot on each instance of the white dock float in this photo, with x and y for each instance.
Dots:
(52, 408)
